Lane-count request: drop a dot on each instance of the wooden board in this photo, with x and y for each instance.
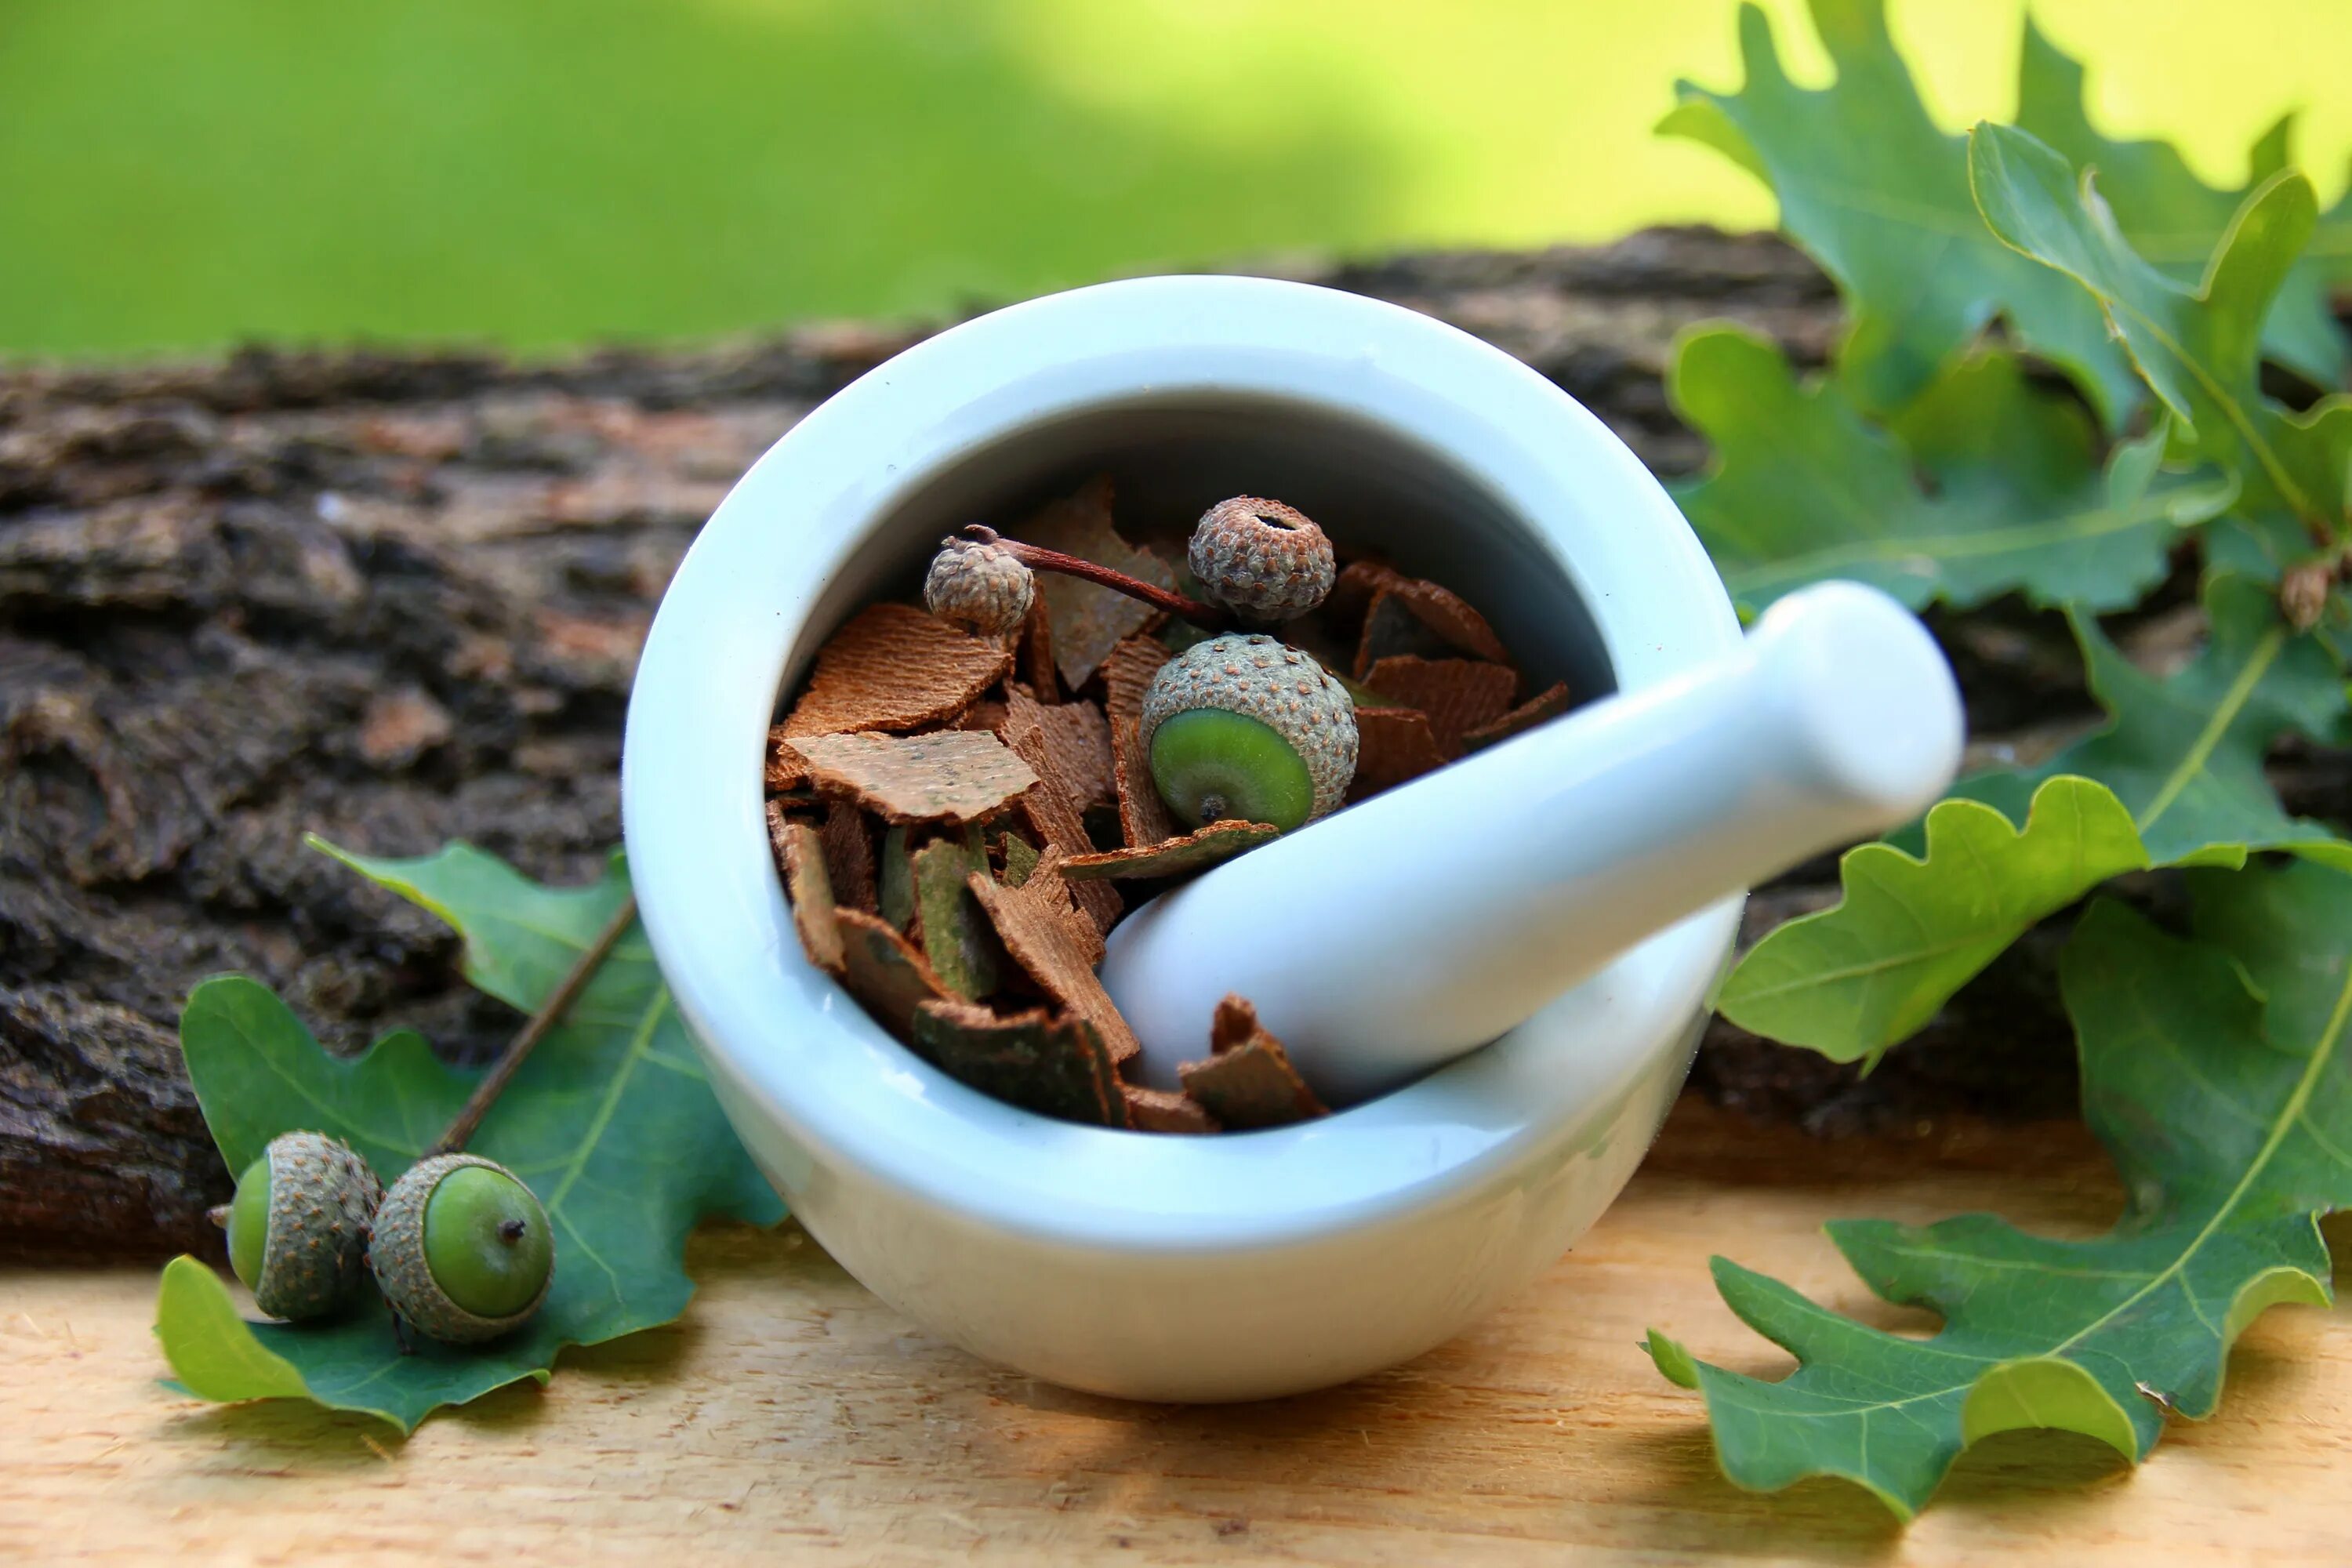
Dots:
(794, 1417)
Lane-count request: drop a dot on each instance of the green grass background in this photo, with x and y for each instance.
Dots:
(183, 173)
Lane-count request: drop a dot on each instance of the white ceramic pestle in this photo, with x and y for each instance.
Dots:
(1397, 934)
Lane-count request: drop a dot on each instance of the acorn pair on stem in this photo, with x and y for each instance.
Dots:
(1240, 725)
(458, 1246)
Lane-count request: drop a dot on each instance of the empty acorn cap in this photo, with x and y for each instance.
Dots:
(1263, 560)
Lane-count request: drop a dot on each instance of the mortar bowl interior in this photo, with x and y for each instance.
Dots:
(1155, 1267)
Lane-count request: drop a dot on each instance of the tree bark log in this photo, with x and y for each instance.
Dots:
(396, 598)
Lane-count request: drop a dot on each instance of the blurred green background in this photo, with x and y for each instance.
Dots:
(183, 174)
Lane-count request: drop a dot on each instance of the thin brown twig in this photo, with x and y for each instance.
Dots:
(534, 1028)
(1038, 558)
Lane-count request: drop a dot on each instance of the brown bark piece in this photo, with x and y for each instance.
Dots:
(1545, 706)
(1196, 851)
(1391, 628)
(1077, 741)
(786, 769)
(1089, 619)
(1020, 860)
(810, 892)
(1458, 694)
(1247, 1081)
(884, 971)
(1392, 746)
(1040, 937)
(957, 938)
(894, 667)
(1034, 660)
(1436, 606)
(1165, 1110)
(985, 714)
(947, 775)
(1055, 1065)
(1143, 817)
(849, 857)
(895, 881)
(1052, 813)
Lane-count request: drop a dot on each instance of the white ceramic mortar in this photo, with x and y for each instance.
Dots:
(1161, 1267)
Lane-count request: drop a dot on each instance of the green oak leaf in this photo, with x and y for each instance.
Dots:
(1802, 488)
(1852, 980)
(2172, 218)
(2331, 243)
(1878, 193)
(2184, 754)
(2230, 1122)
(2199, 350)
(611, 1122)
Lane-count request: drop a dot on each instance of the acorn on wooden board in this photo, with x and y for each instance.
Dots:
(297, 1227)
(462, 1250)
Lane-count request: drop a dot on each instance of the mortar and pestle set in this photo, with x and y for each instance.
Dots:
(1499, 971)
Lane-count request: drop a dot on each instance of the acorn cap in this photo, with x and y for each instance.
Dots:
(314, 1247)
(980, 587)
(397, 1254)
(1264, 560)
(1263, 679)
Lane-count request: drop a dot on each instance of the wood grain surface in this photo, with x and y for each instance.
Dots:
(794, 1417)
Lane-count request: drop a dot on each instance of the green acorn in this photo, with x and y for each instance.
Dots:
(1245, 727)
(462, 1250)
(297, 1228)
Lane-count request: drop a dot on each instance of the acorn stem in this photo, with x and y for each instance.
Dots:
(1038, 558)
(510, 1060)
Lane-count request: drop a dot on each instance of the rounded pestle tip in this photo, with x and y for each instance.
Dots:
(1871, 710)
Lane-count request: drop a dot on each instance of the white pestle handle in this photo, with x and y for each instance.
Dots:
(1399, 933)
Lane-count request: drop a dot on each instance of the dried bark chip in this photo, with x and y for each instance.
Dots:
(1052, 1065)
(884, 971)
(986, 714)
(1039, 934)
(1458, 694)
(1020, 860)
(1196, 851)
(957, 938)
(1391, 628)
(896, 877)
(1164, 1110)
(894, 667)
(849, 857)
(1077, 741)
(1545, 706)
(786, 769)
(811, 894)
(1050, 811)
(1234, 1023)
(947, 775)
(1034, 659)
(1438, 607)
(1045, 880)
(1392, 745)
(1089, 620)
(1143, 817)
(1248, 1081)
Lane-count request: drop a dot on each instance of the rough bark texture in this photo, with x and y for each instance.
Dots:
(395, 599)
